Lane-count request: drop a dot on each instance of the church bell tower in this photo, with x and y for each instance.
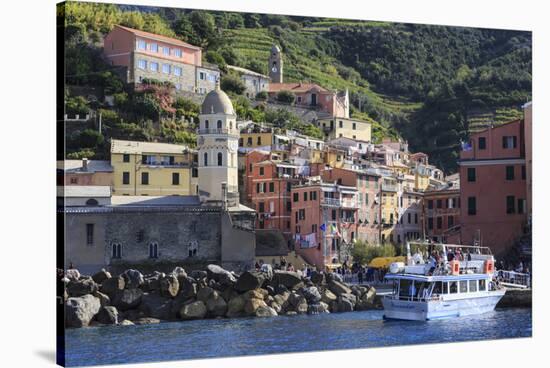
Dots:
(276, 65)
(217, 144)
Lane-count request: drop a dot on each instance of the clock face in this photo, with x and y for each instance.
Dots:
(274, 69)
(233, 146)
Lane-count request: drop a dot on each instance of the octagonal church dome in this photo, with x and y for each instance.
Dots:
(217, 102)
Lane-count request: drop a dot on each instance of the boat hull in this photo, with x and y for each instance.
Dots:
(437, 309)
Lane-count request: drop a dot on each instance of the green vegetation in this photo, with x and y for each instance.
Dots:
(430, 85)
(363, 252)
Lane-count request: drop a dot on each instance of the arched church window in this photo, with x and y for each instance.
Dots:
(153, 250)
(205, 159)
(230, 125)
(220, 159)
(219, 124)
(206, 124)
(116, 250)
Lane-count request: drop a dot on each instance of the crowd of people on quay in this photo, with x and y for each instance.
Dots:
(354, 274)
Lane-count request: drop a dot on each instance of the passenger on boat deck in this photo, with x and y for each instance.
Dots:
(450, 256)
(412, 289)
(469, 256)
(432, 264)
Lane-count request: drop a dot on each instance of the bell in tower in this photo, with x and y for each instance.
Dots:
(276, 65)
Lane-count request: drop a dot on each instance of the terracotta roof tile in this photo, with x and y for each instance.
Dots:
(158, 37)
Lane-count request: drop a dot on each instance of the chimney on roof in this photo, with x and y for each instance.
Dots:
(84, 164)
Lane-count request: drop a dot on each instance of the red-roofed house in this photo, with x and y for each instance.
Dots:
(153, 56)
(313, 95)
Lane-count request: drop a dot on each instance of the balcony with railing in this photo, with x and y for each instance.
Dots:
(386, 187)
(340, 202)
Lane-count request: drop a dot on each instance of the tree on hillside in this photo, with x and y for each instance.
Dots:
(232, 83)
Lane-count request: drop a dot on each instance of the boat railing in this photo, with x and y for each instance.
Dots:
(514, 279)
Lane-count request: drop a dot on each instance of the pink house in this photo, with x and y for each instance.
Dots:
(147, 55)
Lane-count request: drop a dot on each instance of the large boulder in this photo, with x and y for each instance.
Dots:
(287, 278)
(235, 306)
(317, 277)
(188, 287)
(328, 296)
(199, 274)
(265, 312)
(250, 281)
(194, 310)
(101, 276)
(151, 283)
(344, 305)
(112, 286)
(79, 311)
(332, 276)
(126, 322)
(103, 298)
(204, 293)
(215, 305)
(81, 287)
(169, 286)
(311, 294)
(133, 278)
(251, 305)
(294, 299)
(146, 321)
(255, 294)
(338, 287)
(127, 299)
(108, 315)
(154, 305)
(179, 272)
(301, 307)
(220, 275)
(72, 274)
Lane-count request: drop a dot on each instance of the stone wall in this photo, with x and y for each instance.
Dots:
(186, 80)
(176, 232)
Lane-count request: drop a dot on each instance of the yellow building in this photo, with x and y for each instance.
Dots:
(421, 178)
(389, 209)
(344, 127)
(334, 157)
(154, 169)
(253, 140)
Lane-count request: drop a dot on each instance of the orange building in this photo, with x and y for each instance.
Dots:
(493, 190)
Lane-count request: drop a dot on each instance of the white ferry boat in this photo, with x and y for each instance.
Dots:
(442, 281)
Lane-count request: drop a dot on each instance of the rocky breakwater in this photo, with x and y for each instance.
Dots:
(133, 298)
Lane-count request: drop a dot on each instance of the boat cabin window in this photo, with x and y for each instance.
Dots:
(482, 286)
(473, 286)
(422, 290)
(395, 285)
(406, 288)
(463, 286)
(453, 287)
(437, 288)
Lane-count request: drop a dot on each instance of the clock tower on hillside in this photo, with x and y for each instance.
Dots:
(276, 65)
(217, 143)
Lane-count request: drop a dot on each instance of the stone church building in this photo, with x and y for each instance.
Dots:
(147, 232)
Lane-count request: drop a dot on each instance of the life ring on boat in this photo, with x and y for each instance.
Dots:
(489, 266)
(455, 267)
